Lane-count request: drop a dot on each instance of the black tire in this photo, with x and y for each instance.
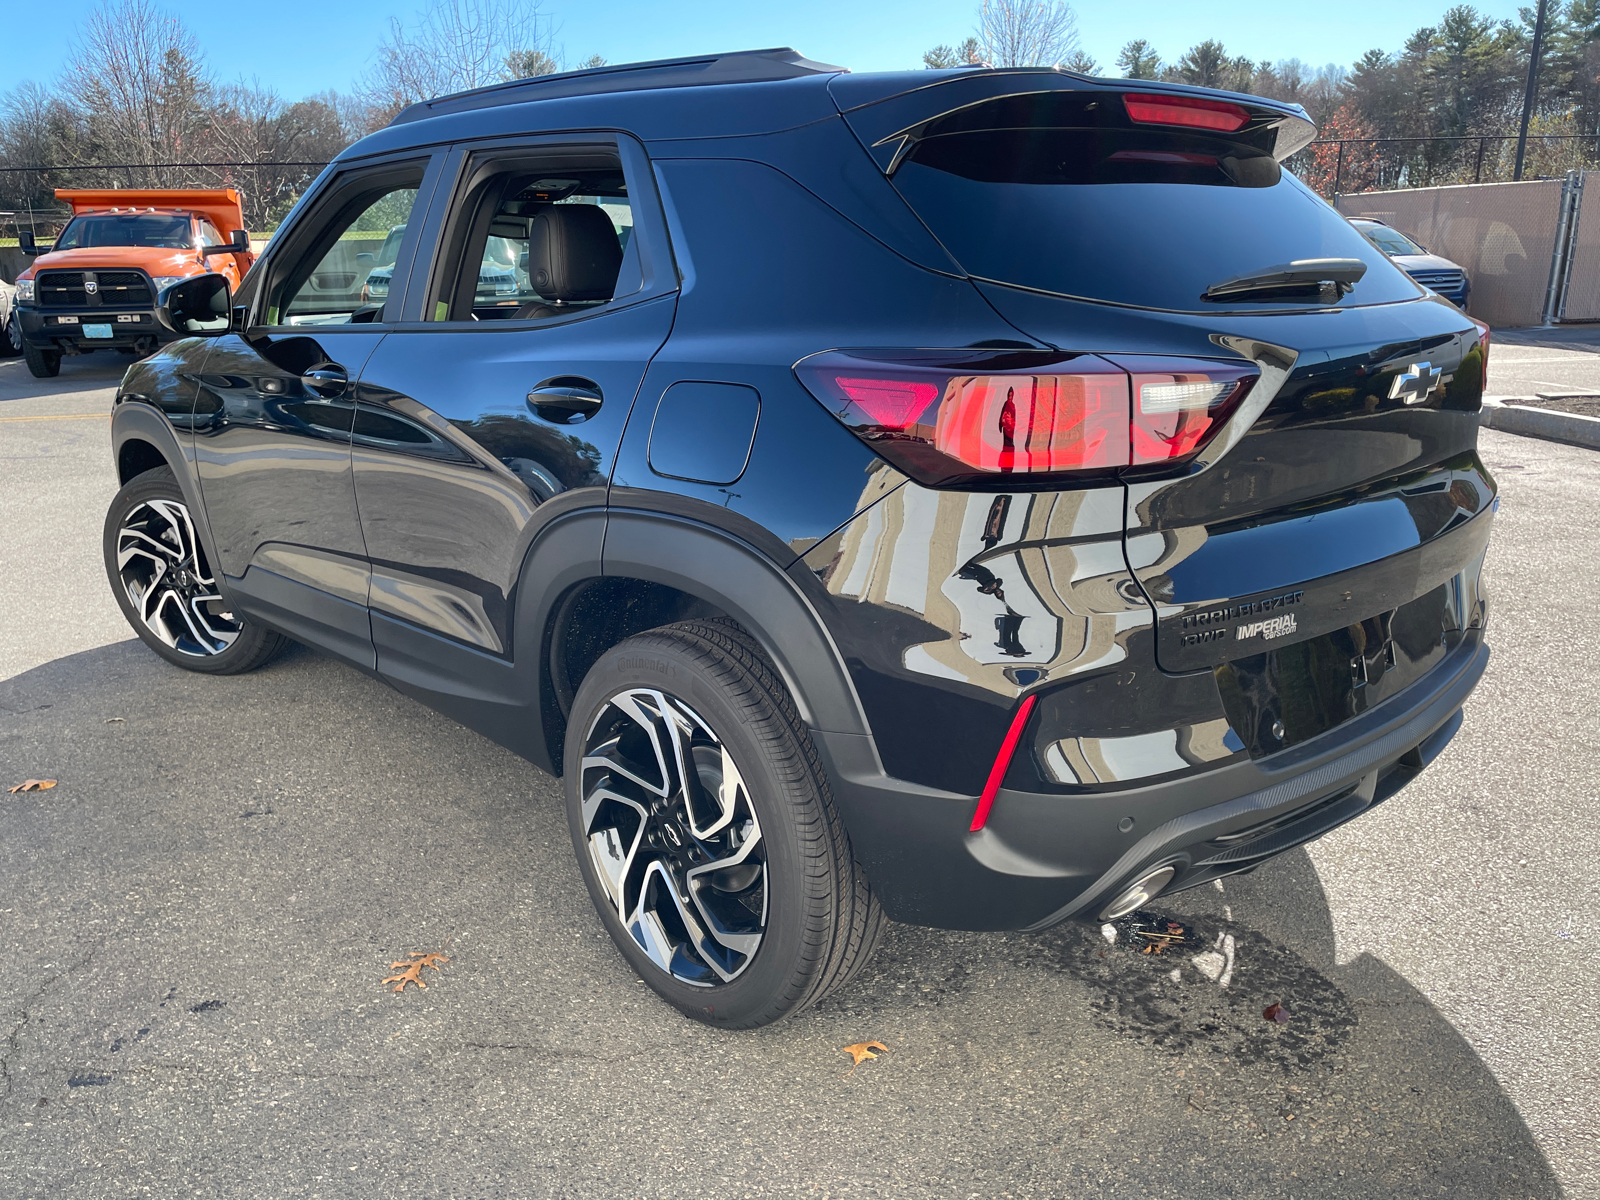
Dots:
(42, 364)
(164, 584)
(11, 336)
(818, 922)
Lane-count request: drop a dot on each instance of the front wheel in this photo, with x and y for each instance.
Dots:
(706, 832)
(166, 587)
(42, 364)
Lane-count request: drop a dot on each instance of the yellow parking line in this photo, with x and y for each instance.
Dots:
(63, 417)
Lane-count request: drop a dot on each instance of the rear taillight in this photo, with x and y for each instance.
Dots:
(969, 418)
(1178, 406)
(1190, 111)
(1483, 345)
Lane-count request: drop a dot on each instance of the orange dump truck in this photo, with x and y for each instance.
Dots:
(97, 287)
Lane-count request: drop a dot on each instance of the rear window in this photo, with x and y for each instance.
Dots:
(1131, 215)
(1390, 241)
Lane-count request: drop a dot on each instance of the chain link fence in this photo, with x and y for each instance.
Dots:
(269, 189)
(1336, 166)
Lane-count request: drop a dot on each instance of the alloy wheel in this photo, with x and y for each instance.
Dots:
(673, 837)
(168, 582)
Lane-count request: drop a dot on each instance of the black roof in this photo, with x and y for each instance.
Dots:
(742, 66)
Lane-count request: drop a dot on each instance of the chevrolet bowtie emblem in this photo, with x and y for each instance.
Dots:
(1415, 384)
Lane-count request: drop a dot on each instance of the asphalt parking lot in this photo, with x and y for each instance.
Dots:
(1551, 362)
(198, 917)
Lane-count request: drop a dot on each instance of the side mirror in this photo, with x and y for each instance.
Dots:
(26, 243)
(238, 243)
(199, 306)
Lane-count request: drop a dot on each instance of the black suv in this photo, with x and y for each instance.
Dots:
(975, 498)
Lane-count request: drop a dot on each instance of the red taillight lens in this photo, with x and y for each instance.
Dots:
(974, 418)
(1023, 423)
(891, 403)
(1191, 111)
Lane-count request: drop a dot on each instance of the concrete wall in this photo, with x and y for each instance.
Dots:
(12, 262)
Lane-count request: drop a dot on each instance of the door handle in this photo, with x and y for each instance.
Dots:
(327, 380)
(565, 397)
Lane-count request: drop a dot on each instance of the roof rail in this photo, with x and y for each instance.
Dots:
(741, 66)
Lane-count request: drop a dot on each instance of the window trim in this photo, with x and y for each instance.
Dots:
(307, 223)
(658, 272)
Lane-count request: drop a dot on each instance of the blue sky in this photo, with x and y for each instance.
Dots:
(305, 46)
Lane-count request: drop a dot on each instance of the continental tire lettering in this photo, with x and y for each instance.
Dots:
(644, 664)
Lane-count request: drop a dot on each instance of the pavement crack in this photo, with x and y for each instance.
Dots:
(13, 1044)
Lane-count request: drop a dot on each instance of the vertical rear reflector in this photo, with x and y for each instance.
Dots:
(1002, 763)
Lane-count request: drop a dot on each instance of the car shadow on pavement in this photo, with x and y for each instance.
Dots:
(202, 912)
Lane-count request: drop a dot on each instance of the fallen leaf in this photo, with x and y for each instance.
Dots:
(1276, 1013)
(413, 964)
(116, 720)
(33, 785)
(860, 1051)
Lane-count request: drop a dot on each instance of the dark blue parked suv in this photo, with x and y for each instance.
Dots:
(975, 498)
(1432, 271)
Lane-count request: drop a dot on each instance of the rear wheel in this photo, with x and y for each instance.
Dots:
(706, 832)
(167, 589)
(42, 364)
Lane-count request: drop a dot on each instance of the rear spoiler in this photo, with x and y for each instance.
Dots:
(223, 207)
(891, 125)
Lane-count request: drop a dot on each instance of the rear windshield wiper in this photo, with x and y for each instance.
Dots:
(1329, 277)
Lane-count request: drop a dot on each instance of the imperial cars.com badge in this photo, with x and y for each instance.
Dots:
(1274, 627)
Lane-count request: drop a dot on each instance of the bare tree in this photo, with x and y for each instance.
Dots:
(1027, 33)
(457, 45)
(138, 84)
(1324, 92)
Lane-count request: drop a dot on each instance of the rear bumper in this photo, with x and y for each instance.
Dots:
(46, 329)
(1044, 858)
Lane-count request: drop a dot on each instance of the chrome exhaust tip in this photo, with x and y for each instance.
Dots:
(1140, 894)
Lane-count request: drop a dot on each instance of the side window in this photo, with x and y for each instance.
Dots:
(340, 263)
(209, 235)
(533, 236)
